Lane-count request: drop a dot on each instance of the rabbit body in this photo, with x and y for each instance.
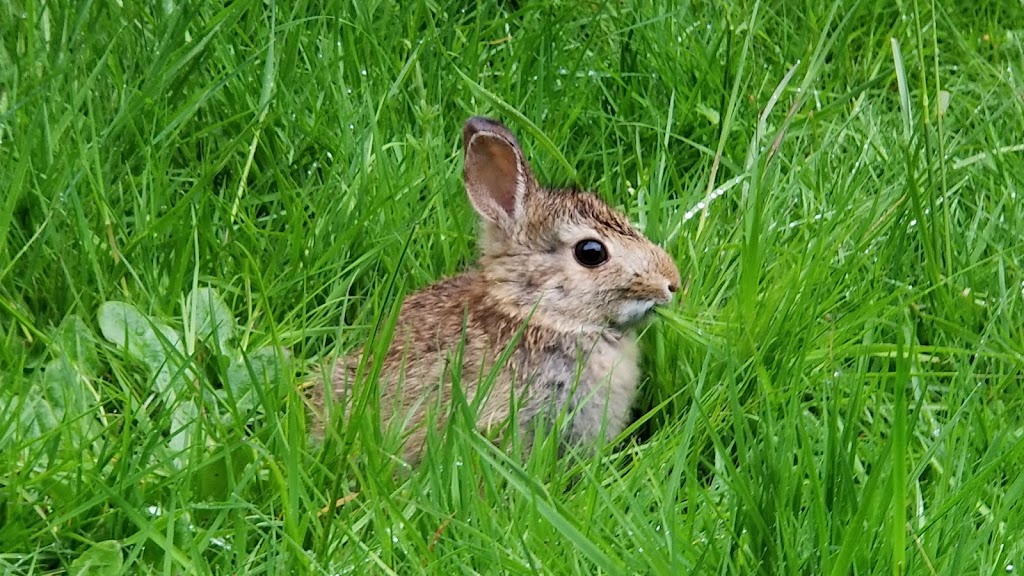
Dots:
(560, 285)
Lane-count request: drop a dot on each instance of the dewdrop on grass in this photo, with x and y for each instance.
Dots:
(706, 202)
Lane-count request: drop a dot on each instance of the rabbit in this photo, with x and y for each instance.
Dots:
(562, 282)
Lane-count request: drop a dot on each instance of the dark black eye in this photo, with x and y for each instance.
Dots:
(590, 253)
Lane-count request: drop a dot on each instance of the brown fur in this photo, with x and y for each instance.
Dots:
(568, 327)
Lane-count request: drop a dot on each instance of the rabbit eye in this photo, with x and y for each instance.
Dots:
(590, 253)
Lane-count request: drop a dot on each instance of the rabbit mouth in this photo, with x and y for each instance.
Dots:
(633, 312)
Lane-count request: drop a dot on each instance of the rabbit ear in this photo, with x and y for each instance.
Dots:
(496, 175)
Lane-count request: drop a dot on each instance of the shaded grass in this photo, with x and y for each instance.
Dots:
(838, 391)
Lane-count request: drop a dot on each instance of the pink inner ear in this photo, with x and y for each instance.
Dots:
(493, 168)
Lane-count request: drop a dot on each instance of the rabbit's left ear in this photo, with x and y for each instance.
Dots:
(497, 177)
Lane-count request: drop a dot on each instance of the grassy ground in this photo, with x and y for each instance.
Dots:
(188, 191)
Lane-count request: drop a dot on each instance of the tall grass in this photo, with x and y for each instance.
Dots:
(191, 189)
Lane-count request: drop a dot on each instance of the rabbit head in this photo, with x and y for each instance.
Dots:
(562, 258)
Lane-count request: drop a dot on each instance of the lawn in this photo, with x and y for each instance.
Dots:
(200, 200)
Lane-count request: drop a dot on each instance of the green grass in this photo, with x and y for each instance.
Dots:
(838, 391)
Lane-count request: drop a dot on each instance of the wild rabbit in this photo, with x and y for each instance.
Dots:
(561, 283)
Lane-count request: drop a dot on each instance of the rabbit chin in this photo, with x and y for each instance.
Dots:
(633, 312)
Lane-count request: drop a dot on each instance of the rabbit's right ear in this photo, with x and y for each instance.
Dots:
(496, 175)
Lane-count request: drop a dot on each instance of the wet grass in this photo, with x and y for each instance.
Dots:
(838, 391)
